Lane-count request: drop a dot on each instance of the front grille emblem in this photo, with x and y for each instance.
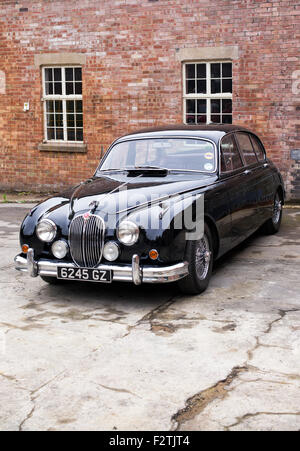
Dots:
(86, 216)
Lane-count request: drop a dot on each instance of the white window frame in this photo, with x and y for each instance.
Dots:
(62, 97)
(208, 95)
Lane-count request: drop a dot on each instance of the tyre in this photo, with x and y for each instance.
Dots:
(51, 280)
(272, 225)
(199, 255)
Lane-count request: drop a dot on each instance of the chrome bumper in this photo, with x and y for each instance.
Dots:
(122, 272)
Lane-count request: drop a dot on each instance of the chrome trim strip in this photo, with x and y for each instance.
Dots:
(121, 272)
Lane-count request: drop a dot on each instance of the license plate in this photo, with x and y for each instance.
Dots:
(87, 274)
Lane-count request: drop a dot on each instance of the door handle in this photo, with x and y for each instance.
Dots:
(266, 165)
(247, 172)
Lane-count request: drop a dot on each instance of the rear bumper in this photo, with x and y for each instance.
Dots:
(122, 273)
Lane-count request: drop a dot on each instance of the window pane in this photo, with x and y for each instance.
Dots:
(226, 70)
(79, 120)
(79, 134)
(201, 86)
(69, 74)
(78, 75)
(49, 106)
(230, 156)
(78, 88)
(190, 119)
(227, 85)
(246, 148)
(70, 106)
(48, 75)
(78, 106)
(69, 89)
(215, 70)
(216, 118)
(50, 133)
(201, 70)
(201, 119)
(59, 120)
(71, 134)
(226, 106)
(215, 106)
(201, 106)
(258, 148)
(57, 74)
(49, 88)
(58, 88)
(50, 120)
(59, 133)
(215, 86)
(70, 120)
(190, 87)
(226, 119)
(190, 70)
(190, 106)
(58, 106)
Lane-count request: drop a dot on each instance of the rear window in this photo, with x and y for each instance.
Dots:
(246, 148)
(230, 156)
(258, 147)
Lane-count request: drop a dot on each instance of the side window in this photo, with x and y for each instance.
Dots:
(258, 147)
(230, 156)
(246, 148)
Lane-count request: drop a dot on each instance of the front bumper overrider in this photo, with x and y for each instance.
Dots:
(133, 272)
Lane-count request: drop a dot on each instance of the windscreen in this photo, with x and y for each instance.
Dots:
(173, 153)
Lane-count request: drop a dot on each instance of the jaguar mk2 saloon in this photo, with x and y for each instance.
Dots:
(127, 222)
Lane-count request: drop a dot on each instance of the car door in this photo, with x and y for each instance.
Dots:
(265, 191)
(233, 183)
(252, 182)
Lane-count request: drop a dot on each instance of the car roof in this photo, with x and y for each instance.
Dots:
(208, 131)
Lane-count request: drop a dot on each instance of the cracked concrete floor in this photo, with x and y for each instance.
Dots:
(98, 357)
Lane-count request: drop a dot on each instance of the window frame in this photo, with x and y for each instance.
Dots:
(208, 95)
(63, 97)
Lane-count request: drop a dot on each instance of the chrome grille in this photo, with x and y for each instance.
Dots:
(86, 240)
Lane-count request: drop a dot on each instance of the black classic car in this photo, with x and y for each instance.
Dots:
(127, 222)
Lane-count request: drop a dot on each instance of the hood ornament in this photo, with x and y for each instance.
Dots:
(93, 205)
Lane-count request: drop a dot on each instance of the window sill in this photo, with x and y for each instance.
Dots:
(63, 147)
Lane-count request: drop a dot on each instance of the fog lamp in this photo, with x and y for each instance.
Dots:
(59, 249)
(111, 251)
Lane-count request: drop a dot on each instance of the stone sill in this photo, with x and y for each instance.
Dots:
(63, 147)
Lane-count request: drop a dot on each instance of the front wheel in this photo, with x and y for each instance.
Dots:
(272, 226)
(199, 255)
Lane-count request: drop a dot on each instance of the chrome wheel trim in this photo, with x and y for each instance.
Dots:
(277, 209)
(202, 258)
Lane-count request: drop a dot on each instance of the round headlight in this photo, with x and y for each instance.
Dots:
(111, 251)
(59, 249)
(128, 233)
(46, 230)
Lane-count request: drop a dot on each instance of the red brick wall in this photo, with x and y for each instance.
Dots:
(132, 79)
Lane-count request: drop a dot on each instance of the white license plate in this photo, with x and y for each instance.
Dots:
(85, 274)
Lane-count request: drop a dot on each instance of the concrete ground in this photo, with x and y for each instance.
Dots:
(97, 357)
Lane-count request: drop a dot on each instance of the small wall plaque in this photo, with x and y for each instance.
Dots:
(295, 154)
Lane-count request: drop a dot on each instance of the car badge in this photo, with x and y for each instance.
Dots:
(86, 216)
